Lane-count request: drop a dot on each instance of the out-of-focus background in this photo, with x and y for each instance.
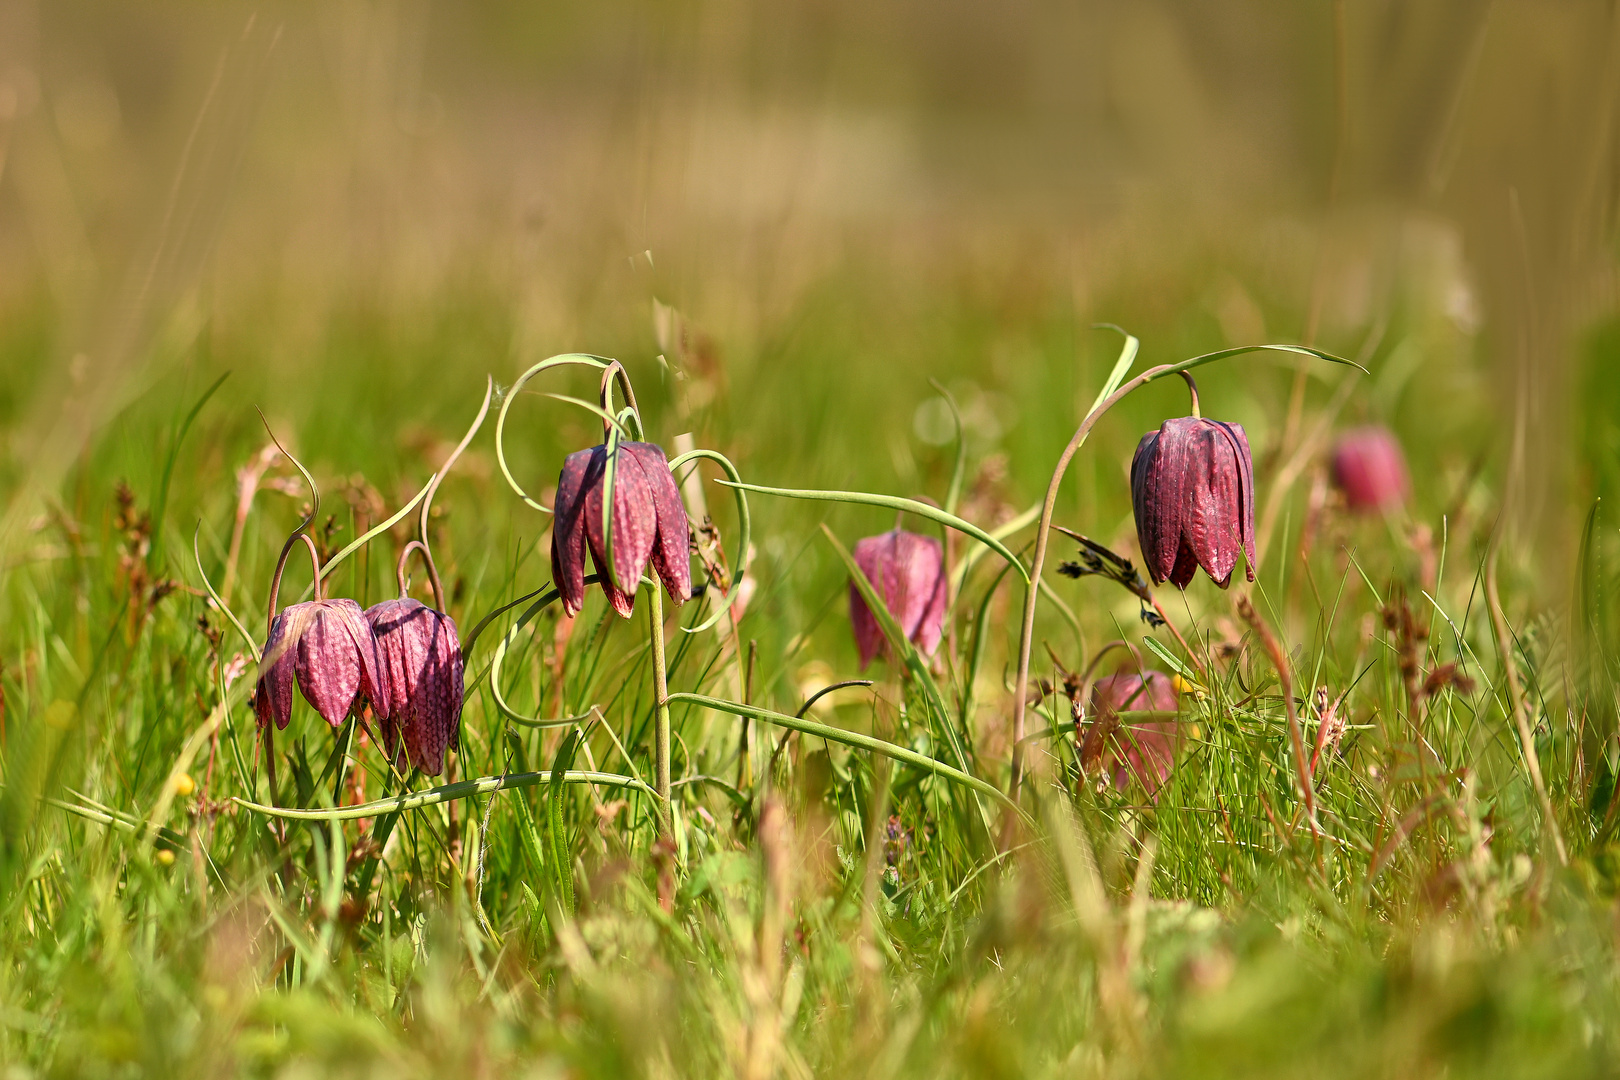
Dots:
(252, 185)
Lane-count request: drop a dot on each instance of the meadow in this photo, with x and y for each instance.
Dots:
(1386, 845)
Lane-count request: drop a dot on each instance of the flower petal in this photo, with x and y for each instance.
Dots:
(272, 695)
(672, 548)
(907, 570)
(635, 525)
(579, 471)
(1156, 508)
(869, 556)
(434, 712)
(329, 667)
(1369, 467)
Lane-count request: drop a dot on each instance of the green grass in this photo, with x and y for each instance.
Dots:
(829, 912)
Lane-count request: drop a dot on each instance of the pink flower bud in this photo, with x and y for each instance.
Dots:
(1370, 469)
(1143, 750)
(908, 572)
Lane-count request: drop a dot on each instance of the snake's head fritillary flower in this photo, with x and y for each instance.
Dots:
(328, 648)
(908, 572)
(420, 654)
(1133, 749)
(649, 523)
(1192, 488)
(1370, 469)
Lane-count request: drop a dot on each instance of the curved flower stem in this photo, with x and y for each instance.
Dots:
(560, 360)
(433, 571)
(615, 370)
(744, 530)
(1026, 635)
(903, 754)
(438, 477)
(427, 503)
(661, 739)
(446, 793)
(1192, 388)
(281, 566)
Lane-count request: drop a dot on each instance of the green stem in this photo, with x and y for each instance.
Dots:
(848, 738)
(655, 613)
(446, 793)
(1026, 633)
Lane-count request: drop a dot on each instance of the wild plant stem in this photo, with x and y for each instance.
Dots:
(1197, 664)
(655, 613)
(1504, 648)
(1026, 632)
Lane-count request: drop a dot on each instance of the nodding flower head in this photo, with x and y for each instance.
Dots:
(1192, 488)
(648, 522)
(908, 572)
(1141, 749)
(1370, 469)
(327, 646)
(420, 655)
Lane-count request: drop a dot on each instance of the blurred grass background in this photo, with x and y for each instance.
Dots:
(198, 187)
(809, 209)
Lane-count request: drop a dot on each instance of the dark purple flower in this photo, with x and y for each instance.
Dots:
(649, 522)
(1370, 469)
(1142, 750)
(908, 572)
(420, 655)
(1192, 487)
(328, 647)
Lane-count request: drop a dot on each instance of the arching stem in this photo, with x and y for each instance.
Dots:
(427, 503)
(433, 571)
(281, 566)
(1192, 388)
(1032, 592)
(1026, 633)
(615, 370)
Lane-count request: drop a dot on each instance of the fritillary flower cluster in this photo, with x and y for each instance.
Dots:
(400, 657)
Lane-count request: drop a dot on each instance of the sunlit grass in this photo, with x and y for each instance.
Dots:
(818, 909)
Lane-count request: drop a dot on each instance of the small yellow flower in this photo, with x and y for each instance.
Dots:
(1186, 686)
(165, 857)
(184, 785)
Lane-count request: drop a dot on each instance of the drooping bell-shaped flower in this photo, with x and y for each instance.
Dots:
(1140, 749)
(1192, 488)
(327, 646)
(420, 654)
(648, 523)
(1370, 469)
(908, 572)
